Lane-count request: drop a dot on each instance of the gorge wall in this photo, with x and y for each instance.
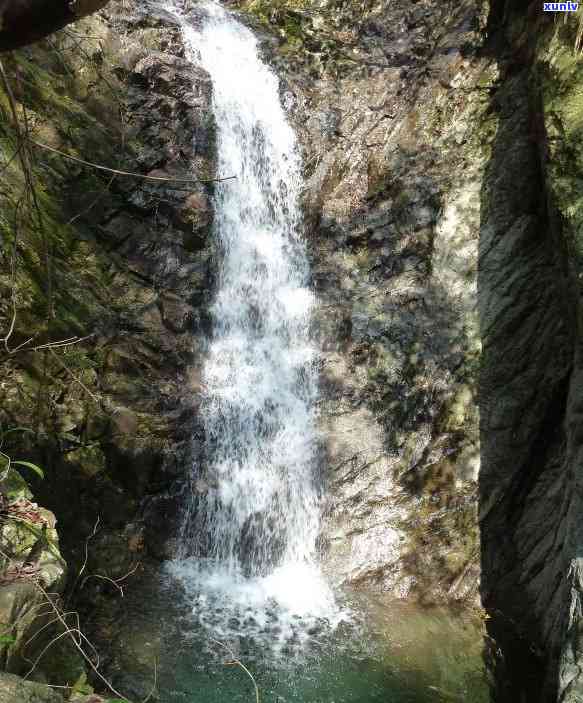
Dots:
(529, 281)
(442, 205)
(121, 264)
(442, 164)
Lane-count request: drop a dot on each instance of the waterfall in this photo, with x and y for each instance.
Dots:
(261, 512)
(259, 407)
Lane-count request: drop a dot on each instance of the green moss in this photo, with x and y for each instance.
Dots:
(90, 460)
(60, 392)
(68, 101)
(14, 487)
(559, 72)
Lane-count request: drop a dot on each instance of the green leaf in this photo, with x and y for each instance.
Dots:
(7, 639)
(81, 686)
(19, 429)
(29, 465)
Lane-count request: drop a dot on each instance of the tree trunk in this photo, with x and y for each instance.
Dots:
(25, 21)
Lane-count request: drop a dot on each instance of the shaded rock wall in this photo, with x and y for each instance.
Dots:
(530, 388)
(129, 271)
(124, 266)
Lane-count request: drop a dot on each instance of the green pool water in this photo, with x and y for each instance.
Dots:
(385, 652)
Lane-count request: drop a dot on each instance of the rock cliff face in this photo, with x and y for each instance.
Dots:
(391, 101)
(442, 158)
(122, 268)
(129, 271)
(530, 386)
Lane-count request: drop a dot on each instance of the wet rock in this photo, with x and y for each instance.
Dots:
(197, 215)
(165, 510)
(261, 544)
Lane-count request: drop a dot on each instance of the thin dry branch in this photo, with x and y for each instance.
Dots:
(88, 209)
(78, 646)
(69, 631)
(23, 346)
(114, 582)
(10, 332)
(51, 622)
(14, 156)
(86, 559)
(117, 172)
(153, 689)
(25, 157)
(68, 342)
(68, 370)
(236, 662)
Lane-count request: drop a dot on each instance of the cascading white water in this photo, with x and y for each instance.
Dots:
(261, 513)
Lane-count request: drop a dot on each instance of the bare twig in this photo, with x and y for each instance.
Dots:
(68, 342)
(153, 690)
(86, 558)
(78, 646)
(68, 370)
(49, 623)
(6, 339)
(25, 157)
(14, 156)
(23, 346)
(94, 203)
(237, 662)
(117, 172)
(69, 631)
(103, 578)
(114, 582)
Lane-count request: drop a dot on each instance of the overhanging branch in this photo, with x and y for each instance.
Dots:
(23, 22)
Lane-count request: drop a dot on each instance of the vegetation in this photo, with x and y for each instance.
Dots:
(60, 97)
(325, 34)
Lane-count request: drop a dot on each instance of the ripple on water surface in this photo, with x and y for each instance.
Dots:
(349, 649)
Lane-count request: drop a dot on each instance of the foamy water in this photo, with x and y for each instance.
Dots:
(258, 573)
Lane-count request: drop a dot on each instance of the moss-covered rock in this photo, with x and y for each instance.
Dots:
(115, 271)
(120, 267)
(31, 567)
(14, 690)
